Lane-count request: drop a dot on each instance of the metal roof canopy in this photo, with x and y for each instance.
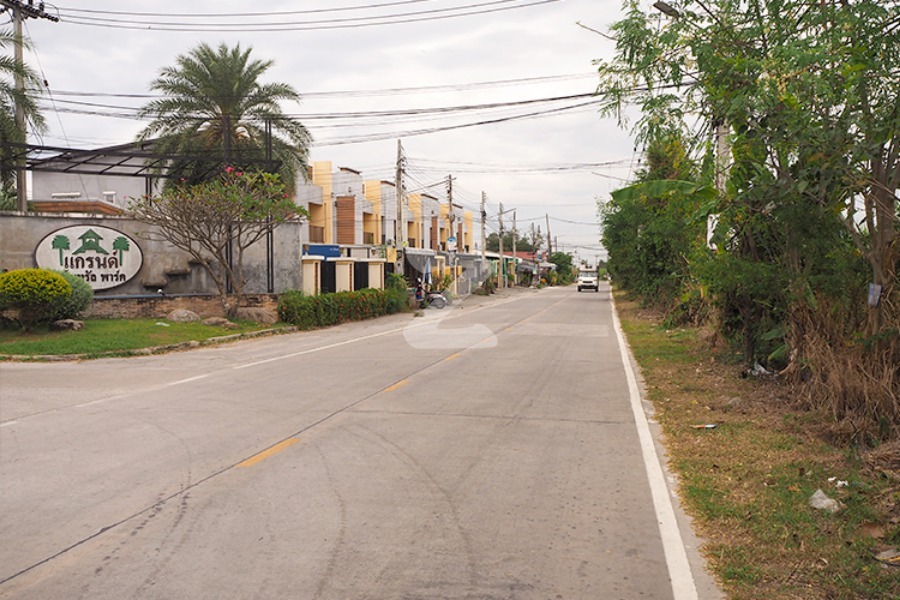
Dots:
(135, 159)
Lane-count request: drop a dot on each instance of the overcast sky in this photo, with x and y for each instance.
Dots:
(344, 56)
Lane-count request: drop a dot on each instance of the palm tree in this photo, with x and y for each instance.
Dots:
(10, 97)
(214, 107)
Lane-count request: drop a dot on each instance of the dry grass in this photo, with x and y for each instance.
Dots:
(856, 381)
(747, 482)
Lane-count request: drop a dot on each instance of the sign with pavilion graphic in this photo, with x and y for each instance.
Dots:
(103, 257)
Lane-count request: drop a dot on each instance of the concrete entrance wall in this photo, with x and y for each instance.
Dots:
(165, 267)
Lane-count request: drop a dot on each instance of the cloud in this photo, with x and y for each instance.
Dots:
(532, 42)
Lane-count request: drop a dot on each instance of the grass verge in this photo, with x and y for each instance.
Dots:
(747, 481)
(105, 337)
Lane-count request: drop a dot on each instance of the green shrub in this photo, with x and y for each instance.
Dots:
(324, 310)
(35, 293)
(80, 300)
(396, 293)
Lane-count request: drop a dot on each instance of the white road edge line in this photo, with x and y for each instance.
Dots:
(683, 586)
(320, 348)
(360, 339)
(8, 423)
(189, 379)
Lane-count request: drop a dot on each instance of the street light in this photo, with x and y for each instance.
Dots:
(722, 146)
(667, 9)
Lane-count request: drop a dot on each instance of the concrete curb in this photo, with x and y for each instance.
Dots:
(471, 300)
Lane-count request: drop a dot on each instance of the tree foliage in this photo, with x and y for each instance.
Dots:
(523, 244)
(655, 226)
(216, 219)
(808, 217)
(565, 269)
(214, 111)
(10, 132)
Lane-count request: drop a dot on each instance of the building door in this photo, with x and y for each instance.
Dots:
(329, 277)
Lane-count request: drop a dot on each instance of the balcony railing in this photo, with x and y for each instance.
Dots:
(316, 235)
(368, 238)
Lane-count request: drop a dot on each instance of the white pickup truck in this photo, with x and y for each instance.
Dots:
(588, 280)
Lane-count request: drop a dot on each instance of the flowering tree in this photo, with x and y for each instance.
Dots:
(218, 218)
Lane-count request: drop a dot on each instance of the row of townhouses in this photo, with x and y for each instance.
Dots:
(349, 240)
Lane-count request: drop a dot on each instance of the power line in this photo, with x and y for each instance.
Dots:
(305, 26)
(490, 169)
(417, 132)
(575, 222)
(372, 92)
(386, 135)
(205, 18)
(245, 14)
(376, 113)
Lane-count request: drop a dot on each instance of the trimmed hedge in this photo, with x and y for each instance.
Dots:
(307, 312)
(36, 293)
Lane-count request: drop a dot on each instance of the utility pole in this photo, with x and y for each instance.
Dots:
(502, 261)
(398, 221)
(451, 222)
(483, 219)
(549, 244)
(503, 278)
(20, 12)
(515, 258)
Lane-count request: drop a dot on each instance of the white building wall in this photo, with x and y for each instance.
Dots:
(46, 185)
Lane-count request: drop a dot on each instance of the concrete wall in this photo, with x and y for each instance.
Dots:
(157, 307)
(164, 267)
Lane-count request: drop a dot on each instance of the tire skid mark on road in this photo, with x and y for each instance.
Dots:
(295, 434)
(342, 532)
(429, 480)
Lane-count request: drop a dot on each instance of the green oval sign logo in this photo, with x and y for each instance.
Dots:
(103, 257)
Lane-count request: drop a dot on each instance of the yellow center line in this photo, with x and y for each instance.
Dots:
(267, 453)
(454, 356)
(397, 385)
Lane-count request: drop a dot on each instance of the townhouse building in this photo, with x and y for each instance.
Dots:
(351, 217)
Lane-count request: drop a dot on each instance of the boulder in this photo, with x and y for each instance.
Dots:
(182, 315)
(256, 314)
(67, 325)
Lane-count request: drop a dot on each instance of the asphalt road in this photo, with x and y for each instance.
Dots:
(492, 451)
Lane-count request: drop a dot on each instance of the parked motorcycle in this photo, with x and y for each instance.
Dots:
(430, 298)
(435, 299)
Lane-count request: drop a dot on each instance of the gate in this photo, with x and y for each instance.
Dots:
(360, 275)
